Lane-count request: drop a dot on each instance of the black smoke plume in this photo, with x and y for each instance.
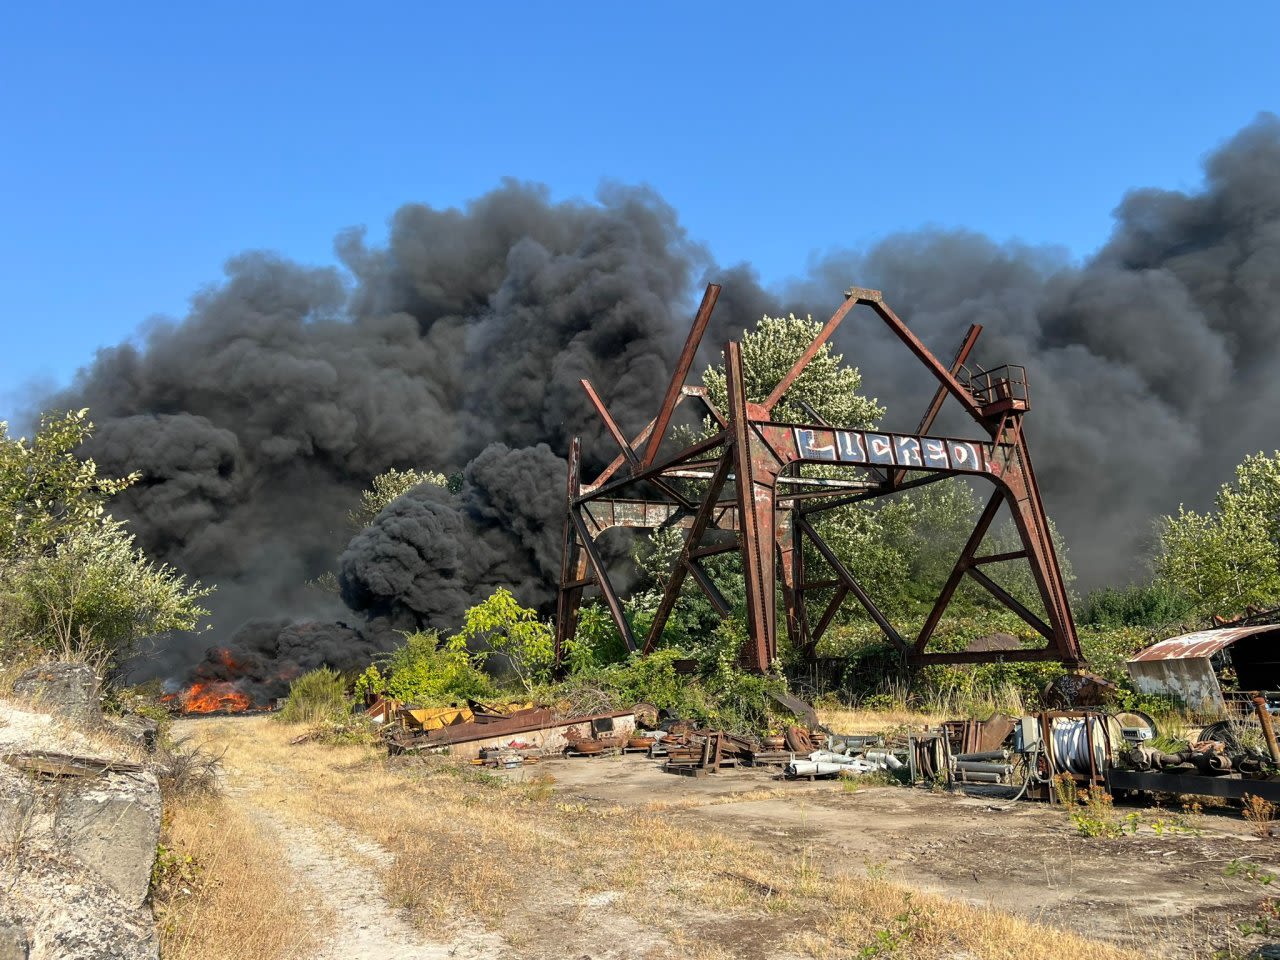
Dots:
(459, 345)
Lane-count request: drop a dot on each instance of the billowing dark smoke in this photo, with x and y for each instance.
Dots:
(263, 656)
(432, 552)
(459, 346)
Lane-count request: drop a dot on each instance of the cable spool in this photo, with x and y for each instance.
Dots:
(1071, 737)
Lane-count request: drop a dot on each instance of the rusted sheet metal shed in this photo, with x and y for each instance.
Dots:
(1184, 666)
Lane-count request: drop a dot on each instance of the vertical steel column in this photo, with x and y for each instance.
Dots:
(755, 470)
(570, 559)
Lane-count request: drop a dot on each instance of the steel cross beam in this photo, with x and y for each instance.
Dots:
(772, 525)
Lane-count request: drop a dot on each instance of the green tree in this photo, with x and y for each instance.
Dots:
(826, 384)
(46, 489)
(1227, 559)
(500, 625)
(72, 580)
(1223, 562)
(389, 486)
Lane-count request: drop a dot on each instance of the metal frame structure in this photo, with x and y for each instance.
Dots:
(744, 481)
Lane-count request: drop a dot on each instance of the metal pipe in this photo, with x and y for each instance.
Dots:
(967, 776)
(989, 755)
(971, 766)
(1264, 718)
(888, 759)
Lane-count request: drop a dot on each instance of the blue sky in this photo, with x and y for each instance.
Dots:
(142, 145)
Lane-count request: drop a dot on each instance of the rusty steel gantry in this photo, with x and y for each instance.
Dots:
(768, 517)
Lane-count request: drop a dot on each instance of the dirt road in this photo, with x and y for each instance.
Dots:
(610, 858)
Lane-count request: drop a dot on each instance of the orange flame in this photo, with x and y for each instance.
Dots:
(215, 696)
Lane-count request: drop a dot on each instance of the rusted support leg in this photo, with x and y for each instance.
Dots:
(755, 470)
(602, 580)
(701, 520)
(1037, 539)
(569, 596)
(957, 572)
(687, 355)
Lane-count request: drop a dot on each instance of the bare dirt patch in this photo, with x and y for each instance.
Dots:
(611, 858)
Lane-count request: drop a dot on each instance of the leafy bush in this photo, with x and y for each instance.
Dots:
(500, 625)
(1137, 605)
(315, 698)
(71, 579)
(422, 673)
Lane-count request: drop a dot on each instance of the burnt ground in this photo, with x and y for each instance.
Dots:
(1025, 858)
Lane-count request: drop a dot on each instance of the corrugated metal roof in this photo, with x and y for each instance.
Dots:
(1202, 643)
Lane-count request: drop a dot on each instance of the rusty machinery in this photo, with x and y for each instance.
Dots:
(769, 515)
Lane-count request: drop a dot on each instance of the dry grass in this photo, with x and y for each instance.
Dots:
(465, 846)
(856, 720)
(240, 901)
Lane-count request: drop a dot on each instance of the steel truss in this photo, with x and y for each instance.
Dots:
(744, 480)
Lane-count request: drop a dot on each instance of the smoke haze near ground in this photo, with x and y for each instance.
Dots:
(458, 347)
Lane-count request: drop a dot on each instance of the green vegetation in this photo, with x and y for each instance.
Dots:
(501, 626)
(388, 486)
(422, 673)
(72, 582)
(316, 698)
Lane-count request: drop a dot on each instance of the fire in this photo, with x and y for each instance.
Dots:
(213, 696)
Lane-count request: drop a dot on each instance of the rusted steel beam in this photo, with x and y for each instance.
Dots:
(701, 520)
(570, 593)
(810, 352)
(878, 491)
(957, 572)
(998, 557)
(701, 393)
(940, 395)
(1010, 601)
(657, 469)
(1037, 538)
(833, 607)
(614, 430)
(606, 586)
(687, 356)
(875, 300)
(852, 583)
(754, 476)
(616, 464)
(984, 656)
(1268, 731)
(703, 580)
(713, 550)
